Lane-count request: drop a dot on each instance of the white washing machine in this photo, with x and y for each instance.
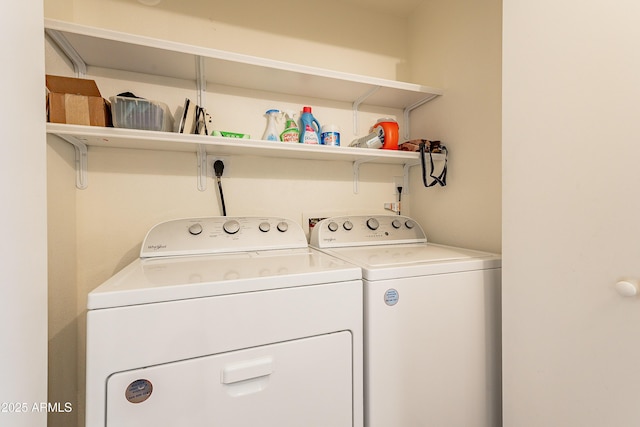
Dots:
(231, 322)
(432, 323)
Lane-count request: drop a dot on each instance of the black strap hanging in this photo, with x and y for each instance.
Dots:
(440, 179)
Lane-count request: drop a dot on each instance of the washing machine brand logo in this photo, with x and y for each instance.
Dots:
(156, 247)
(329, 239)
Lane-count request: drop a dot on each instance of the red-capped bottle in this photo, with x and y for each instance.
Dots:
(309, 127)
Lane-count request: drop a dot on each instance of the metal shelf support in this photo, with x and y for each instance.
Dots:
(201, 86)
(409, 109)
(79, 66)
(356, 173)
(405, 176)
(81, 161)
(202, 167)
(356, 106)
(201, 81)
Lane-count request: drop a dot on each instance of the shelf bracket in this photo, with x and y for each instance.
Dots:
(409, 109)
(405, 176)
(201, 86)
(356, 106)
(356, 173)
(79, 66)
(202, 167)
(81, 160)
(201, 81)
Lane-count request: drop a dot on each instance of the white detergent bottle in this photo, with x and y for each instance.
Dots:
(271, 132)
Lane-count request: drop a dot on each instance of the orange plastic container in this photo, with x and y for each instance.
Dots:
(388, 130)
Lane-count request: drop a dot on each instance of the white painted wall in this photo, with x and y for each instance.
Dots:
(570, 212)
(456, 45)
(23, 256)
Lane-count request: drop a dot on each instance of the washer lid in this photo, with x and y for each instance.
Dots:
(416, 259)
(164, 279)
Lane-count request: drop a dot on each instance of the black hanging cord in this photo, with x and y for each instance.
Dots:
(218, 168)
(224, 208)
(440, 179)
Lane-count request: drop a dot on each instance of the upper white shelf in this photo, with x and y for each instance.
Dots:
(127, 52)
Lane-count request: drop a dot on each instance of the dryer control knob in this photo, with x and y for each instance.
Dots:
(283, 226)
(264, 226)
(195, 229)
(396, 224)
(410, 224)
(333, 226)
(348, 225)
(373, 224)
(231, 227)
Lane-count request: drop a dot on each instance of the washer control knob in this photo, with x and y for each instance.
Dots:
(264, 227)
(348, 225)
(333, 226)
(396, 223)
(373, 224)
(195, 229)
(410, 224)
(283, 226)
(231, 227)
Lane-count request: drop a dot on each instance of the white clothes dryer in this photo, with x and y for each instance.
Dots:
(432, 323)
(230, 322)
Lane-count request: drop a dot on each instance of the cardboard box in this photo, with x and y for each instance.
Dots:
(76, 101)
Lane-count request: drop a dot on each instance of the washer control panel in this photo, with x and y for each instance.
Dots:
(211, 235)
(366, 230)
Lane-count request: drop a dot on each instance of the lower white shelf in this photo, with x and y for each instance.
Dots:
(168, 141)
(87, 136)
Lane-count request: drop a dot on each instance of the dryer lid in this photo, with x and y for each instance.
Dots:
(211, 256)
(166, 279)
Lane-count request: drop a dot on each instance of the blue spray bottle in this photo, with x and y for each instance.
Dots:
(310, 128)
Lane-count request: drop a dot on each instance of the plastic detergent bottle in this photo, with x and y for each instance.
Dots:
(291, 133)
(271, 133)
(309, 127)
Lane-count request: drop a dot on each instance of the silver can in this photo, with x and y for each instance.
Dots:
(369, 141)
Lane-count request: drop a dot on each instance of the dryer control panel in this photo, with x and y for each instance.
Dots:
(366, 230)
(211, 235)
